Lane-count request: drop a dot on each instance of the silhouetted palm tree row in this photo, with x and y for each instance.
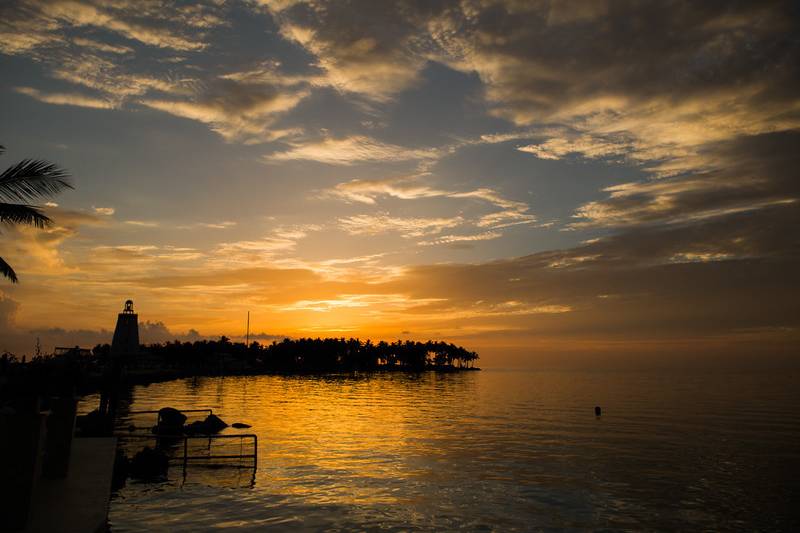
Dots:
(317, 355)
(27, 181)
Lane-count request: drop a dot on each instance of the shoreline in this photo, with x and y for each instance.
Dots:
(94, 383)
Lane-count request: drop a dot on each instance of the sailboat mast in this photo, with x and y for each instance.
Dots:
(247, 342)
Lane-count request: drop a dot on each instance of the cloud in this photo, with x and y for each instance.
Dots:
(511, 212)
(450, 239)
(363, 48)
(236, 110)
(367, 191)
(102, 47)
(138, 256)
(149, 24)
(585, 145)
(568, 77)
(746, 174)
(143, 223)
(74, 99)
(107, 211)
(408, 227)
(224, 224)
(395, 301)
(33, 251)
(602, 290)
(638, 286)
(349, 151)
(700, 99)
(281, 240)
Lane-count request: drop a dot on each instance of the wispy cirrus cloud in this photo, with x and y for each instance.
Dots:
(224, 224)
(452, 239)
(74, 99)
(280, 241)
(368, 191)
(407, 227)
(143, 223)
(510, 212)
(349, 151)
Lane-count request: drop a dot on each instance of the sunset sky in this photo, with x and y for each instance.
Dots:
(519, 177)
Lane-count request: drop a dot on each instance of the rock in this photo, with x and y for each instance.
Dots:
(171, 417)
(212, 424)
(240, 425)
(149, 464)
(170, 421)
(194, 428)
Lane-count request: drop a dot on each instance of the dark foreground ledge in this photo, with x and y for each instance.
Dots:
(80, 501)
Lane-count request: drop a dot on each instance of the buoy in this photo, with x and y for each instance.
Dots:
(597, 410)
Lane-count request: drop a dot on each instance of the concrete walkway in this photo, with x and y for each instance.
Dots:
(78, 503)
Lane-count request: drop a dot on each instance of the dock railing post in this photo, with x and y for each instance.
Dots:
(255, 451)
(185, 453)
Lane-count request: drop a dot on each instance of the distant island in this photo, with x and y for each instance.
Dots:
(299, 355)
(87, 369)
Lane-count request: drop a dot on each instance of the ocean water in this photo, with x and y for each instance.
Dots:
(482, 451)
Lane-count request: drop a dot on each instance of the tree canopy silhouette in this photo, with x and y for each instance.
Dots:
(316, 355)
(20, 184)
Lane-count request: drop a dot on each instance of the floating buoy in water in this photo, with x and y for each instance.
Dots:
(597, 410)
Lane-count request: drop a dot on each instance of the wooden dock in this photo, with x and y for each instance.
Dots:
(79, 502)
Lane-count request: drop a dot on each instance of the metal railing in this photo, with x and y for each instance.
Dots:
(171, 444)
(204, 457)
(210, 459)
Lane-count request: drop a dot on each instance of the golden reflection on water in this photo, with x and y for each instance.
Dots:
(372, 431)
(493, 450)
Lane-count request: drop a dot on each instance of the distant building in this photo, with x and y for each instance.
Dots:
(126, 334)
(72, 350)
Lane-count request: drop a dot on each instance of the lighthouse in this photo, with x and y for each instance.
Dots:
(126, 334)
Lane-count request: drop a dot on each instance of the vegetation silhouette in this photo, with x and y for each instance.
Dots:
(306, 355)
(28, 180)
(84, 371)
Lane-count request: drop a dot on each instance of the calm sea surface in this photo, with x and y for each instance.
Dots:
(488, 451)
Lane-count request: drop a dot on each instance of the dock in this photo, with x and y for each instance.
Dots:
(79, 502)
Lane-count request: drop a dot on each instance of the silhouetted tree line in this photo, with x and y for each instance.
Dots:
(314, 355)
(77, 370)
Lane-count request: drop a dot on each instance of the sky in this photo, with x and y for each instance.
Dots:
(571, 178)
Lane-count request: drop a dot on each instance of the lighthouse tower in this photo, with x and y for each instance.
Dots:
(126, 334)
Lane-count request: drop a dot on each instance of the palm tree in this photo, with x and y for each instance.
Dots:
(28, 180)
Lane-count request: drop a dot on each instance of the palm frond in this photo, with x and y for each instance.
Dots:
(7, 271)
(23, 214)
(31, 179)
